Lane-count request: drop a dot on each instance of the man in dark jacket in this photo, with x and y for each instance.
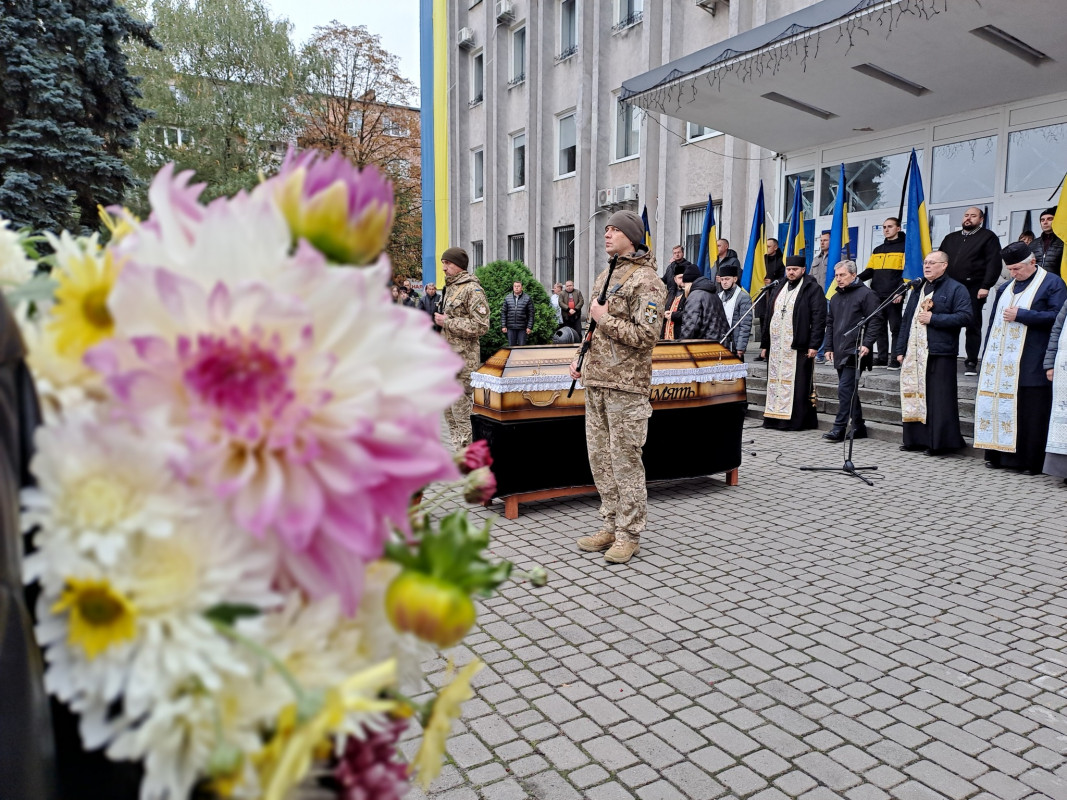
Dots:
(926, 350)
(676, 267)
(517, 315)
(1048, 247)
(725, 258)
(974, 261)
(429, 301)
(885, 271)
(788, 343)
(1014, 402)
(675, 302)
(703, 316)
(851, 302)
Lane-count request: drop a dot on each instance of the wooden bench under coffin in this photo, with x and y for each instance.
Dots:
(536, 434)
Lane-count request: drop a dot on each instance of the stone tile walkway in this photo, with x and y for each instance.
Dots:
(798, 636)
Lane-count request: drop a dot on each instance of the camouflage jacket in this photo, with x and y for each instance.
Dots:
(468, 317)
(620, 356)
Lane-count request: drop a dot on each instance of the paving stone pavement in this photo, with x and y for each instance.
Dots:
(798, 636)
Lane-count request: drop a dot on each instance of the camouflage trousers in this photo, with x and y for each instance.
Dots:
(616, 424)
(458, 415)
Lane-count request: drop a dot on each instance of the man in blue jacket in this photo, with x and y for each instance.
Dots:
(1014, 402)
(926, 350)
(517, 315)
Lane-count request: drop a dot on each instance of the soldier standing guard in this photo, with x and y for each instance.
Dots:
(617, 375)
(463, 318)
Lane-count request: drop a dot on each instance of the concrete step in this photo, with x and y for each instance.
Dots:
(882, 431)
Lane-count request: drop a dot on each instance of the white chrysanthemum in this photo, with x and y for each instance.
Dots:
(63, 383)
(15, 266)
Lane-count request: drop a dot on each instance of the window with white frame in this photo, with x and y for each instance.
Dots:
(517, 247)
(963, 170)
(477, 254)
(477, 174)
(477, 78)
(568, 29)
(627, 130)
(629, 13)
(568, 145)
(518, 161)
(695, 131)
(518, 55)
(1037, 157)
(693, 229)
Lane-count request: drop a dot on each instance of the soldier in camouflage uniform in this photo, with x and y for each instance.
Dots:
(617, 375)
(463, 318)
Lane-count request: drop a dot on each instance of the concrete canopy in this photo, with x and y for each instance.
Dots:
(863, 65)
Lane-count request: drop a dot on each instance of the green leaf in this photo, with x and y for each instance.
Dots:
(229, 613)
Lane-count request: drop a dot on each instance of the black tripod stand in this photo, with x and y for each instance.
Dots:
(848, 467)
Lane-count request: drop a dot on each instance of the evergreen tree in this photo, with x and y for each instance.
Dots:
(67, 110)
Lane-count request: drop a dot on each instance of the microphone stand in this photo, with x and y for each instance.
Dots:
(751, 309)
(848, 467)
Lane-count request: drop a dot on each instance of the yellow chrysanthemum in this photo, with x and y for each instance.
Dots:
(120, 225)
(287, 757)
(446, 708)
(81, 317)
(100, 615)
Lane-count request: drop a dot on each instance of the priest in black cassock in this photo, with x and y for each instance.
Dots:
(926, 349)
(1014, 401)
(794, 330)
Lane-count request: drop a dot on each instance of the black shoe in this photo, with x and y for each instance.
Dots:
(834, 436)
(911, 448)
(991, 465)
(970, 368)
(1030, 472)
(759, 358)
(880, 364)
(860, 432)
(893, 366)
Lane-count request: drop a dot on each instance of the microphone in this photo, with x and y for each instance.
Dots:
(774, 283)
(914, 283)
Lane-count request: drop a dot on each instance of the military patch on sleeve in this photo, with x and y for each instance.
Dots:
(651, 312)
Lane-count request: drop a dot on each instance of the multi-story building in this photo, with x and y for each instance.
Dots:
(561, 110)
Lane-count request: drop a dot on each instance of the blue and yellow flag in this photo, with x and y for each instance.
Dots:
(794, 238)
(917, 238)
(756, 258)
(838, 248)
(648, 231)
(707, 238)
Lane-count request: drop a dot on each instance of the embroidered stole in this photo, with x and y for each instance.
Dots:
(668, 333)
(728, 306)
(996, 408)
(1057, 427)
(913, 369)
(781, 358)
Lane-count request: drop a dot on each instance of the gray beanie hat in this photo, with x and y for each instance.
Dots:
(629, 223)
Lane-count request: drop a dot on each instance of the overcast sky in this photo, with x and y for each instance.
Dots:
(396, 21)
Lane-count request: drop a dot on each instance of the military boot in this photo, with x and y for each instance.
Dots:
(601, 540)
(621, 552)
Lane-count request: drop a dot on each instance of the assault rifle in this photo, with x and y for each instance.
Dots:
(588, 341)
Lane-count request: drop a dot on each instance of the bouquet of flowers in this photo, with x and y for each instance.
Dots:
(236, 590)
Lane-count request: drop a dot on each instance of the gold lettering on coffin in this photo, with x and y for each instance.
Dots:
(671, 393)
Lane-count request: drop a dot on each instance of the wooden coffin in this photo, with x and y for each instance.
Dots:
(537, 434)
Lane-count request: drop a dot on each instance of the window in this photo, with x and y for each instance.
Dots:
(874, 183)
(477, 174)
(694, 131)
(517, 247)
(563, 254)
(518, 161)
(964, 170)
(807, 191)
(355, 122)
(477, 254)
(518, 56)
(392, 127)
(693, 228)
(629, 13)
(627, 130)
(568, 145)
(477, 79)
(1037, 158)
(568, 30)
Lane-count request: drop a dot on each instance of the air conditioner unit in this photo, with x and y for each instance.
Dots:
(605, 198)
(627, 193)
(505, 11)
(465, 38)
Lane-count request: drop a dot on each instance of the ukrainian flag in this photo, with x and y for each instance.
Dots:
(707, 238)
(838, 248)
(1059, 225)
(917, 240)
(648, 232)
(794, 238)
(755, 259)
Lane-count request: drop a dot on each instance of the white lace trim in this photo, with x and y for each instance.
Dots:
(550, 383)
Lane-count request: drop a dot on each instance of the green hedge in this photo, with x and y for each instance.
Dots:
(497, 278)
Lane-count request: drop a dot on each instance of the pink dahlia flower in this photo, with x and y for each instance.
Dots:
(308, 403)
(343, 211)
(474, 456)
(371, 768)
